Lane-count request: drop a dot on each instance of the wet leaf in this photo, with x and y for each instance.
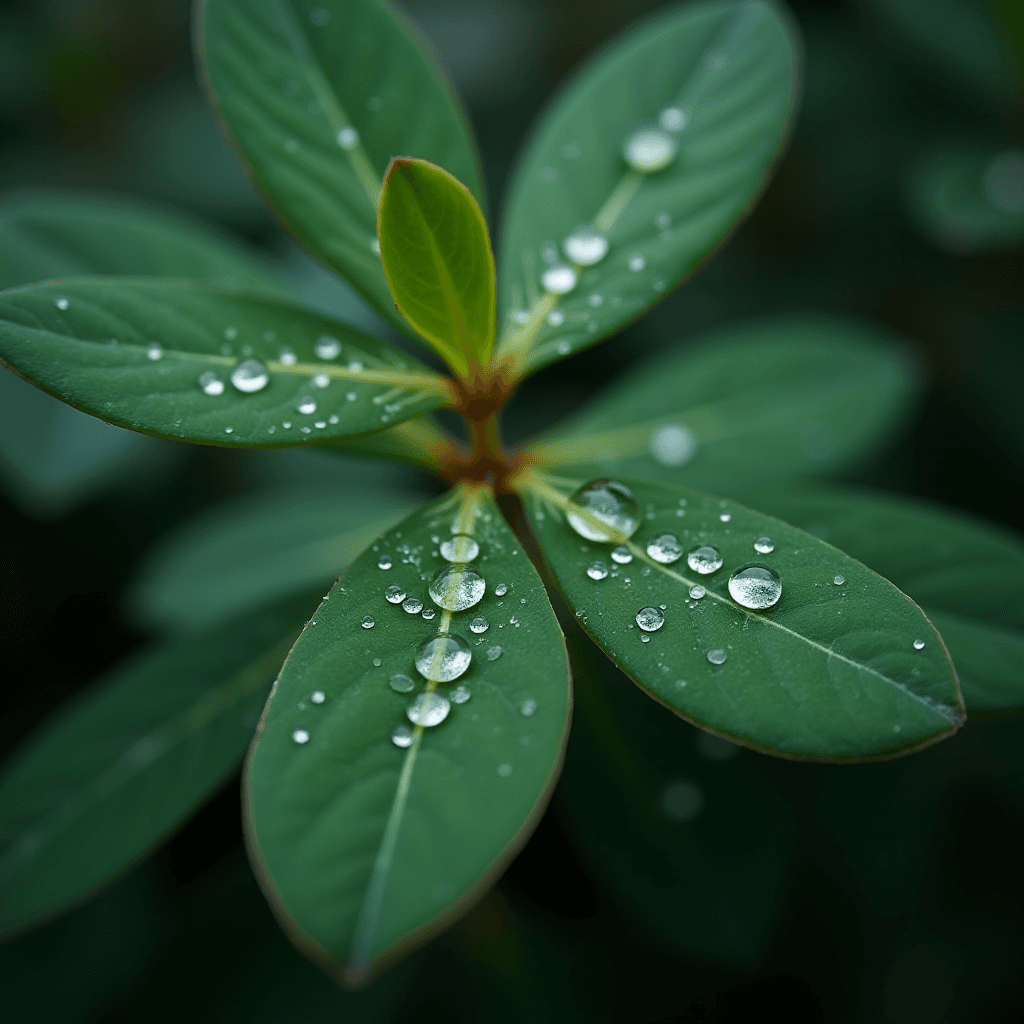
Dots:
(112, 773)
(842, 666)
(770, 399)
(715, 81)
(199, 364)
(365, 846)
(967, 575)
(317, 98)
(438, 262)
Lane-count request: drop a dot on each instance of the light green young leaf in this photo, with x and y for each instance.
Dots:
(784, 397)
(191, 362)
(366, 844)
(839, 666)
(715, 83)
(318, 96)
(968, 576)
(114, 772)
(437, 258)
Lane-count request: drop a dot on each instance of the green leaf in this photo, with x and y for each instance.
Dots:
(832, 671)
(111, 774)
(968, 198)
(318, 96)
(50, 235)
(134, 352)
(437, 258)
(765, 400)
(419, 442)
(968, 576)
(722, 75)
(256, 548)
(362, 846)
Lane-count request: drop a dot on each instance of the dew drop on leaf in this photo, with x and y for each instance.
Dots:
(650, 619)
(673, 444)
(61, 303)
(528, 708)
(725, 517)
(318, 696)
(637, 263)
(504, 770)
(154, 351)
(585, 246)
(649, 150)
(306, 406)
(460, 694)
(428, 613)
(443, 657)
(384, 562)
(300, 736)
(597, 570)
(608, 502)
(401, 683)
(286, 357)
(368, 622)
(326, 347)
(697, 592)
(402, 736)
(460, 547)
(764, 545)
(501, 589)
(428, 709)
(622, 555)
(839, 580)
(755, 586)
(394, 594)
(673, 119)
(918, 645)
(413, 605)
(717, 656)
(457, 587)
(559, 279)
(211, 384)
(479, 625)
(250, 375)
(493, 653)
(665, 548)
(348, 138)
(556, 318)
(320, 380)
(705, 559)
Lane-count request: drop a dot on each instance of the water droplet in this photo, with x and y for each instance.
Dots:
(501, 589)
(211, 383)
(394, 594)
(622, 555)
(663, 220)
(1003, 180)
(413, 605)
(673, 119)
(839, 580)
(402, 736)
(595, 300)
(318, 696)
(672, 444)
(326, 347)
(457, 587)
(300, 735)
(705, 559)
(520, 316)
(717, 656)
(725, 517)
(384, 562)
(558, 279)
(368, 622)
(764, 545)
(479, 625)
(320, 380)
(649, 149)
(355, 366)
(493, 653)
(556, 318)
(637, 263)
(229, 430)
(548, 175)
(528, 708)
(61, 303)
(428, 709)
(608, 502)
(287, 357)
(320, 16)
(585, 246)
(306, 405)
(348, 138)
(154, 351)
(250, 375)
(375, 246)
(401, 683)
(665, 548)
(443, 657)
(697, 592)
(918, 645)
(460, 547)
(597, 570)
(650, 619)
(755, 586)
(460, 694)
(428, 613)
(682, 800)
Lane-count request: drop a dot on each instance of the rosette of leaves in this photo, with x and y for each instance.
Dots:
(416, 722)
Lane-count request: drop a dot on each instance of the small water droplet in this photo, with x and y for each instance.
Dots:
(443, 657)
(918, 645)
(637, 263)
(705, 559)
(229, 430)
(597, 570)
(457, 587)
(839, 580)
(663, 220)
(504, 770)
(428, 613)
(673, 119)
(460, 694)
(697, 592)
(755, 586)
(559, 279)
(384, 562)
(413, 605)
(368, 622)
(649, 150)
(300, 735)
(556, 318)
(249, 376)
(673, 444)
(725, 517)
(326, 347)
(154, 351)
(460, 547)
(401, 683)
(585, 246)
(528, 708)
(501, 589)
(479, 625)
(402, 736)
(665, 548)
(622, 555)
(394, 594)
(320, 380)
(61, 303)
(355, 366)
(717, 656)
(348, 138)
(211, 383)
(604, 501)
(318, 696)
(650, 619)
(764, 545)
(287, 357)
(520, 316)
(548, 175)
(306, 406)
(493, 653)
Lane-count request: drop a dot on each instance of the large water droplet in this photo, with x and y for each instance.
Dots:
(672, 444)
(717, 656)
(597, 570)
(460, 547)
(300, 735)
(608, 502)
(327, 347)
(413, 605)
(250, 375)
(457, 587)
(461, 694)
(402, 736)
(306, 405)
(401, 683)
(665, 548)
(211, 383)
(479, 625)
(649, 149)
(428, 709)
(585, 246)
(755, 586)
(705, 559)
(493, 653)
(622, 555)
(650, 619)
(558, 279)
(368, 622)
(394, 594)
(443, 658)
(764, 545)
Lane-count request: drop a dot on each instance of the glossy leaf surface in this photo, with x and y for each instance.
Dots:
(967, 575)
(257, 548)
(771, 399)
(178, 348)
(318, 97)
(438, 262)
(721, 78)
(831, 671)
(112, 773)
(364, 846)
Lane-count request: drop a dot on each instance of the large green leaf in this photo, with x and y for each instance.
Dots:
(364, 846)
(843, 666)
(49, 235)
(437, 258)
(722, 76)
(770, 399)
(259, 547)
(115, 771)
(968, 576)
(162, 357)
(318, 96)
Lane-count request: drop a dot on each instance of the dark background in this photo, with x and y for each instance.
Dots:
(896, 892)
